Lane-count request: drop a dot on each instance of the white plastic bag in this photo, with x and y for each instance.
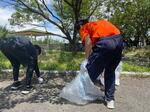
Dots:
(81, 90)
(117, 75)
(83, 65)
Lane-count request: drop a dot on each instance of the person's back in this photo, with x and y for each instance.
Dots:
(19, 48)
(98, 29)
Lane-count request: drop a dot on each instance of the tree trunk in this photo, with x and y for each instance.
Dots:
(73, 47)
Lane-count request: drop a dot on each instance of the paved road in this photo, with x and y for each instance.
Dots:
(132, 96)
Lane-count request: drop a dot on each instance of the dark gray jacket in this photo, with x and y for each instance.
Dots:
(18, 48)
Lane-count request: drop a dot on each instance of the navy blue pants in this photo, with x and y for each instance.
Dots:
(106, 55)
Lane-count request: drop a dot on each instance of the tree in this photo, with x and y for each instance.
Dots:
(73, 10)
(132, 17)
(65, 16)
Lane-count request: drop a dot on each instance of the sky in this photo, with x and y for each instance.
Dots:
(6, 12)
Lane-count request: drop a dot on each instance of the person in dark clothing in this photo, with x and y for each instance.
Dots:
(19, 51)
(103, 50)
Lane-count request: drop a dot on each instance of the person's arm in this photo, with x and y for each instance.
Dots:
(88, 47)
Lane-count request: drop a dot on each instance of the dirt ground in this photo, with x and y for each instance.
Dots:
(133, 95)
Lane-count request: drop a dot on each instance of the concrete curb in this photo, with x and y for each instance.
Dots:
(135, 73)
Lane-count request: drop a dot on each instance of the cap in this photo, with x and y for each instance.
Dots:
(81, 22)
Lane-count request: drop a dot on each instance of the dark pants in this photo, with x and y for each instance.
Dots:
(29, 72)
(31, 66)
(106, 55)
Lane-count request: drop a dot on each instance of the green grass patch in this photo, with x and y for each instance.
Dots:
(62, 60)
(139, 53)
(136, 68)
(4, 62)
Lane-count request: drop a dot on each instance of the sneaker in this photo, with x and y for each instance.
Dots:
(117, 82)
(29, 87)
(40, 79)
(16, 85)
(27, 90)
(110, 104)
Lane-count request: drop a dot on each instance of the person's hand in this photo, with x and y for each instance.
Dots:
(83, 65)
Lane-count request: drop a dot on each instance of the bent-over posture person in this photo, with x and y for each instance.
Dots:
(19, 51)
(103, 49)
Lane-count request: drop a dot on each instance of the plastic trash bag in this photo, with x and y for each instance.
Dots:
(117, 75)
(83, 65)
(81, 90)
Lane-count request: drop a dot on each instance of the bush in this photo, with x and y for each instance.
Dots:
(4, 62)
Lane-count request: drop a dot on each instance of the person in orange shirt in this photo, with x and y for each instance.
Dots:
(103, 49)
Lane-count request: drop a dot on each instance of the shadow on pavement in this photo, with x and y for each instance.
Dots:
(46, 92)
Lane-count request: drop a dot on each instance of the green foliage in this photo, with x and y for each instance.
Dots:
(3, 32)
(80, 9)
(23, 15)
(132, 17)
(4, 62)
(61, 60)
(62, 13)
(137, 60)
(138, 53)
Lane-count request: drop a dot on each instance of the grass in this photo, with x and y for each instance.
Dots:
(128, 66)
(139, 53)
(62, 60)
(54, 60)
(4, 63)
(137, 60)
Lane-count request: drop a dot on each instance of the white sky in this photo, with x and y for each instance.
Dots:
(5, 14)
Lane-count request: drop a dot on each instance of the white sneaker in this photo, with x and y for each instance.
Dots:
(110, 104)
(117, 82)
(40, 79)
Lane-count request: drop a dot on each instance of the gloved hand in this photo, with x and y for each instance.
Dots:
(83, 65)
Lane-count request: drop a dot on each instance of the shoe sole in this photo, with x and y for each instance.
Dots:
(15, 88)
(25, 92)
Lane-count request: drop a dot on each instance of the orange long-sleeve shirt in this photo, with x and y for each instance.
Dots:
(98, 29)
